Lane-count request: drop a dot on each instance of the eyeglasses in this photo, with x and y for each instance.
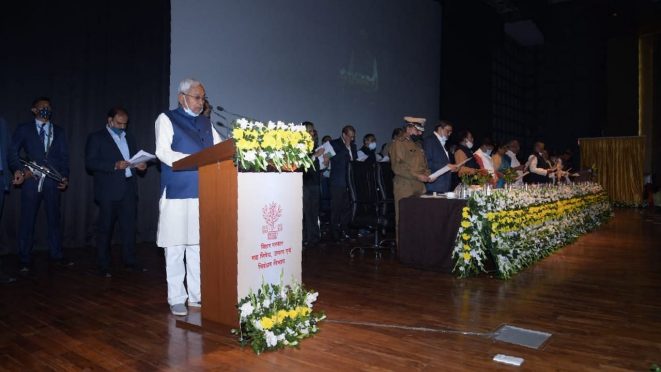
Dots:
(197, 98)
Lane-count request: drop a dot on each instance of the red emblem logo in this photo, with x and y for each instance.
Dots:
(271, 213)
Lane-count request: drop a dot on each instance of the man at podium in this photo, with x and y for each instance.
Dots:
(179, 133)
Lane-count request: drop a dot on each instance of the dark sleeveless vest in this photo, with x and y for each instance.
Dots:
(191, 135)
(536, 178)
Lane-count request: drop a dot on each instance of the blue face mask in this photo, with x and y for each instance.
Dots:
(188, 110)
(118, 131)
(45, 113)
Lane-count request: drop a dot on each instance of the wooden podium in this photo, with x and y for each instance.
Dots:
(243, 239)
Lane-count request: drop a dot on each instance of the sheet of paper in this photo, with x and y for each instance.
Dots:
(522, 175)
(329, 150)
(141, 157)
(439, 173)
(322, 166)
(445, 169)
(361, 156)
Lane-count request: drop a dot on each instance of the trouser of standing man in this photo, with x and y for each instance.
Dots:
(311, 198)
(340, 211)
(4, 278)
(31, 199)
(123, 211)
(179, 270)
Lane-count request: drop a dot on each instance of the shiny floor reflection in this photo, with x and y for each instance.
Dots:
(599, 297)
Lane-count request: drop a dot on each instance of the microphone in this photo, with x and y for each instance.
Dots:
(222, 109)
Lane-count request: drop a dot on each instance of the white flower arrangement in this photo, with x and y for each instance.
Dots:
(523, 225)
(277, 316)
(282, 146)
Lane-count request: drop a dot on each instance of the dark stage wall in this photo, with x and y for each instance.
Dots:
(86, 56)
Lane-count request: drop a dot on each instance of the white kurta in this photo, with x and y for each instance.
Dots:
(178, 221)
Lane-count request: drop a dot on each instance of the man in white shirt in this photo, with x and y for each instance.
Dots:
(539, 169)
(179, 133)
(483, 158)
(513, 150)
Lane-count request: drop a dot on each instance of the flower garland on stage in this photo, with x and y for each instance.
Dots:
(277, 316)
(520, 226)
(283, 146)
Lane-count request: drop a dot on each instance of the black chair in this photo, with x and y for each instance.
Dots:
(369, 204)
(384, 180)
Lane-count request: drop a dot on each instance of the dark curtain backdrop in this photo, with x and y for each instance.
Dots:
(88, 57)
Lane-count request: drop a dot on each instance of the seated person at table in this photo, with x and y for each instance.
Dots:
(501, 162)
(463, 151)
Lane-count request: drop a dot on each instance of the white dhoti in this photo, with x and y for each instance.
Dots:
(179, 235)
(178, 227)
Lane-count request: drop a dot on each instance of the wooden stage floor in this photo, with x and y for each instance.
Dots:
(600, 298)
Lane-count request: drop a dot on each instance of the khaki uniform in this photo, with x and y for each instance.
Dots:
(408, 161)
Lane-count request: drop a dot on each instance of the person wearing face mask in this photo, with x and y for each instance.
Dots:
(483, 158)
(179, 133)
(107, 152)
(44, 143)
(368, 151)
(438, 156)
(540, 171)
(463, 151)
(345, 152)
(408, 162)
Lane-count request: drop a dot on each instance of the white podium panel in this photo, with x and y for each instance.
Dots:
(270, 229)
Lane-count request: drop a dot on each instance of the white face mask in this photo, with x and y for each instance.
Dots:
(372, 146)
(469, 144)
(188, 110)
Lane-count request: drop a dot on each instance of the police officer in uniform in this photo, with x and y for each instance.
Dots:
(408, 162)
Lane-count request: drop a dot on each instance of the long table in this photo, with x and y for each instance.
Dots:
(510, 228)
(427, 232)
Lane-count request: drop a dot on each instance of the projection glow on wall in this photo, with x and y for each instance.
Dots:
(333, 62)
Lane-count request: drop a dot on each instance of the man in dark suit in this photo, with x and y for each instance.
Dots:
(46, 144)
(312, 193)
(5, 182)
(115, 187)
(345, 152)
(438, 156)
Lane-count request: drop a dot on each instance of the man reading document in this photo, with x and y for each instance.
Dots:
(179, 133)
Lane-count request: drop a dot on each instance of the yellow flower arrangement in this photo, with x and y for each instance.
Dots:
(267, 322)
(284, 146)
(525, 226)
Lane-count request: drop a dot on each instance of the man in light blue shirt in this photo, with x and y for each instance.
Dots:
(107, 155)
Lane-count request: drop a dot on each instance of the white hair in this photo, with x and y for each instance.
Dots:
(188, 83)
